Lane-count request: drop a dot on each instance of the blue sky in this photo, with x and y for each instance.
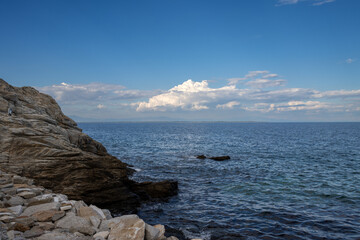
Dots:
(258, 60)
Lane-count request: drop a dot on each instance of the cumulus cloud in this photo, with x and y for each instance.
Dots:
(189, 95)
(194, 96)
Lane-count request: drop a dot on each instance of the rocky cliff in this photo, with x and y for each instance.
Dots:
(38, 141)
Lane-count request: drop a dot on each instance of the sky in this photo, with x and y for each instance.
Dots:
(198, 60)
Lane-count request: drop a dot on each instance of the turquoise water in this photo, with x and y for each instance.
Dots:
(284, 180)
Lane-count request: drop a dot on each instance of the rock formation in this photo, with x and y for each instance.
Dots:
(38, 141)
(43, 215)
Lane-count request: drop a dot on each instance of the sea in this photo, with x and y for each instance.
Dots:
(283, 181)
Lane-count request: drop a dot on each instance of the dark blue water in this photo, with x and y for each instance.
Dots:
(284, 180)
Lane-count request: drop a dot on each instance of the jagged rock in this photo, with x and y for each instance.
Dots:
(38, 141)
(172, 238)
(151, 233)
(75, 224)
(107, 214)
(87, 212)
(130, 227)
(98, 211)
(161, 228)
(101, 235)
(95, 221)
(17, 210)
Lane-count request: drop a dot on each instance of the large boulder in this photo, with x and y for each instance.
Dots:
(38, 141)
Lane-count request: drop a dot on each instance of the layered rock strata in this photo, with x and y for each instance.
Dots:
(33, 212)
(38, 141)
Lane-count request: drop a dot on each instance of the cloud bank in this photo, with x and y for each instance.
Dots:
(261, 92)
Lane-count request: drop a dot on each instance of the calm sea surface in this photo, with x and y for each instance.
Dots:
(284, 180)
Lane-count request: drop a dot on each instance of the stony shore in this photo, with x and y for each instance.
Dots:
(28, 211)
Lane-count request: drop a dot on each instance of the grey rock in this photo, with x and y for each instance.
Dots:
(95, 221)
(75, 224)
(19, 180)
(41, 207)
(130, 227)
(151, 233)
(98, 211)
(27, 195)
(12, 235)
(16, 200)
(107, 213)
(17, 210)
(101, 235)
(33, 232)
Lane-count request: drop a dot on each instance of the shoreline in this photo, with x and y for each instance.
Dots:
(29, 211)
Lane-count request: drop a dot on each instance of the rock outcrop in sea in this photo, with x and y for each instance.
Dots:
(39, 142)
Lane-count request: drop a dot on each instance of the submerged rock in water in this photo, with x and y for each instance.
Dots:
(221, 158)
(38, 141)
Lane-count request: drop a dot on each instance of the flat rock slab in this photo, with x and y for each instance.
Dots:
(33, 232)
(130, 227)
(41, 207)
(48, 215)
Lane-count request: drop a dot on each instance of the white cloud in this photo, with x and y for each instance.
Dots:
(321, 2)
(189, 95)
(233, 81)
(229, 105)
(314, 2)
(338, 94)
(293, 106)
(100, 106)
(93, 92)
(252, 75)
(264, 83)
(287, 2)
(194, 96)
(350, 60)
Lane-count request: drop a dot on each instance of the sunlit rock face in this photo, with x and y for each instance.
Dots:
(38, 141)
